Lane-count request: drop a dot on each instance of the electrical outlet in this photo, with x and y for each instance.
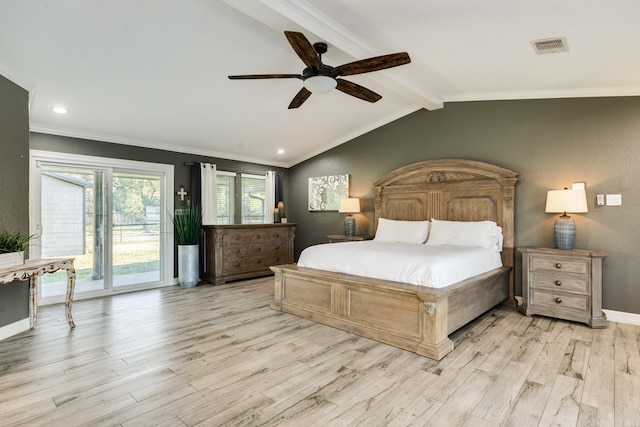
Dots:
(600, 200)
(614, 199)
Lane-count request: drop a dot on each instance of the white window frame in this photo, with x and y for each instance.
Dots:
(166, 173)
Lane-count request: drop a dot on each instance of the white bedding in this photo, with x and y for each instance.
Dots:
(433, 266)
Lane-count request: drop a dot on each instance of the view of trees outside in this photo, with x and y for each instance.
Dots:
(136, 214)
(253, 197)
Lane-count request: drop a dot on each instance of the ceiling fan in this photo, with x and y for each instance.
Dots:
(322, 78)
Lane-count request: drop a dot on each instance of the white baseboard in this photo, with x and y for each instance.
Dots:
(613, 316)
(622, 317)
(14, 328)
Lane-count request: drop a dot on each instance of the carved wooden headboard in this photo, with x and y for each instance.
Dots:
(451, 189)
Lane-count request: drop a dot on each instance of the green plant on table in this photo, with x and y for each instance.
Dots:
(13, 241)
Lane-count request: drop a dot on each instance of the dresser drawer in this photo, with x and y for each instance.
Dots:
(255, 249)
(558, 264)
(559, 300)
(560, 282)
(245, 264)
(243, 237)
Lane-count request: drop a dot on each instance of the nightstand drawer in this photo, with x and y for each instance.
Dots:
(574, 266)
(561, 282)
(559, 300)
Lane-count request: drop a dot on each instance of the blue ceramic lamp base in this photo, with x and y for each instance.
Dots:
(350, 226)
(565, 232)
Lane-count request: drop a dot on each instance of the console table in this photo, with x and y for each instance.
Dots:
(37, 267)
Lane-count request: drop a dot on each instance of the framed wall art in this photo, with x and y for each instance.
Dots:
(325, 192)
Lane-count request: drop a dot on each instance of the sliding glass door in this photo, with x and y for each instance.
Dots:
(111, 218)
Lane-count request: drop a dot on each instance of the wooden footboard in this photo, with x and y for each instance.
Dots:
(415, 318)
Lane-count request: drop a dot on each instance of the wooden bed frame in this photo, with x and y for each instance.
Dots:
(416, 318)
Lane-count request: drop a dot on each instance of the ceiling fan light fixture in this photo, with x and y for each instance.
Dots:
(320, 84)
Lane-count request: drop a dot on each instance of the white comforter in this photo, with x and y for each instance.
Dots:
(433, 266)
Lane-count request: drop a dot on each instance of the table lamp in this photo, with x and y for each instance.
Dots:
(563, 201)
(349, 206)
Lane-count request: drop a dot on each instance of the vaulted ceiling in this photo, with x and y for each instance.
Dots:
(153, 73)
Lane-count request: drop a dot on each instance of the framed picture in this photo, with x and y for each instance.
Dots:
(325, 192)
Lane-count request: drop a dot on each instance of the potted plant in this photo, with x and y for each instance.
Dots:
(13, 243)
(188, 226)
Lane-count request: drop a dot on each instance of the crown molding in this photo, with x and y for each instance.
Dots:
(72, 133)
(597, 92)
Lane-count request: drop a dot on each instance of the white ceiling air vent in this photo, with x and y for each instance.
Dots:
(554, 45)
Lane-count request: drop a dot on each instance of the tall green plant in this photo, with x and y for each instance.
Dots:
(13, 241)
(188, 223)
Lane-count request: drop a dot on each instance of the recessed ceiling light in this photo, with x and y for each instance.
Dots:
(59, 109)
(280, 151)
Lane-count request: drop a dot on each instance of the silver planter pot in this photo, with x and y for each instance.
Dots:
(188, 265)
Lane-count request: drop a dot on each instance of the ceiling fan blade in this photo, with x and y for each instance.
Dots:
(373, 64)
(299, 99)
(303, 48)
(358, 91)
(266, 76)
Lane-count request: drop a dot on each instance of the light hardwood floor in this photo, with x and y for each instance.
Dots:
(216, 356)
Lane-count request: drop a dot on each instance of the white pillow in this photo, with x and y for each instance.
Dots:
(390, 230)
(483, 234)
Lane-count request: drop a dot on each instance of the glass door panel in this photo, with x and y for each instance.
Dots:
(136, 217)
(73, 212)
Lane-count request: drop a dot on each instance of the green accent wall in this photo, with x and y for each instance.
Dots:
(14, 187)
(551, 143)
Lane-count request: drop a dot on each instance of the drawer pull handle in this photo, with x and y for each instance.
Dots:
(558, 282)
(258, 262)
(277, 247)
(237, 251)
(258, 236)
(236, 237)
(257, 249)
(237, 264)
(558, 300)
(558, 265)
(277, 235)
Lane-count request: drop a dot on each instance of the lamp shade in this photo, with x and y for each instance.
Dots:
(320, 84)
(562, 201)
(349, 205)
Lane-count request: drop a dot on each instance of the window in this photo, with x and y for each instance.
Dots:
(253, 198)
(225, 190)
(240, 189)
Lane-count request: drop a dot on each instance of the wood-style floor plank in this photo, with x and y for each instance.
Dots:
(219, 356)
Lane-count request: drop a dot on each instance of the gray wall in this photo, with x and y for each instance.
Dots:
(182, 173)
(14, 187)
(550, 143)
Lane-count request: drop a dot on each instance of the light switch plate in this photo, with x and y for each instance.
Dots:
(614, 199)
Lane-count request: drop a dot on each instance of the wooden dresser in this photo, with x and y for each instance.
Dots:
(241, 251)
(566, 284)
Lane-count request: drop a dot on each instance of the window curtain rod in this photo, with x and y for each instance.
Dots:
(189, 164)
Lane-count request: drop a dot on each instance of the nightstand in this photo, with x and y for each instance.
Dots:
(566, 284)
(335, 238)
